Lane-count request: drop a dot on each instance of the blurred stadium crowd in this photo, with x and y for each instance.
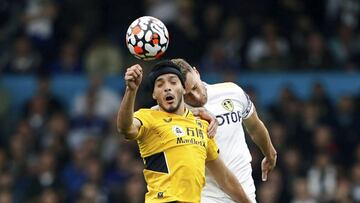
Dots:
(85, 36)
(53, 153)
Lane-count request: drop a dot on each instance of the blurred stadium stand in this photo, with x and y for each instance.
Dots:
(265, 85)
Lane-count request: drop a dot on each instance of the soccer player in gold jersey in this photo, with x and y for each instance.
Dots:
(172, 141)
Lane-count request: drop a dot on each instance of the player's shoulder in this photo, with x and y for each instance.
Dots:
(143, 110)
(146, 112)
(152, 112)
(225, 86)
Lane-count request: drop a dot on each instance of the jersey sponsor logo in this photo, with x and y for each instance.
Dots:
(228, 118)
(195, 132)
(198, 122)
(178, 131)
(193, 136)
(228, 105)
(167, 120)
(182, 140)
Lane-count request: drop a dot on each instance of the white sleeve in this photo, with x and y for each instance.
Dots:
(246, 104)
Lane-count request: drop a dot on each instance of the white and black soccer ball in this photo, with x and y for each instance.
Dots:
(147, 38)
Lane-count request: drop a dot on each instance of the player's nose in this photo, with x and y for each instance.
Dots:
(167, 87)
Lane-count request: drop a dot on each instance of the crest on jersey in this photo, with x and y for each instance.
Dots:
(178, 131)
(228, 105)
(160, 195)
(167, 120)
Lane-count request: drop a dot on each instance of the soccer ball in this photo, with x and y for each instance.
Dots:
(147, 38)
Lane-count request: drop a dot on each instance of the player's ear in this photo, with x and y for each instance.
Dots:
(195, 70)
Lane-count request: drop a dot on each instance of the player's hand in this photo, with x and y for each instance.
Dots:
(133, 77)
(211, 119)
(267, 164)
(213, 125)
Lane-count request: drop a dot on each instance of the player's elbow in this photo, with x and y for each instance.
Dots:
(121, 131)
(126, 133)
(123, 127)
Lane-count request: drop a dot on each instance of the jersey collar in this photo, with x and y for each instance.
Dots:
(186, 113)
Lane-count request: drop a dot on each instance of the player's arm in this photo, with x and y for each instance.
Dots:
(127, 125)
(227, 180)
(204, 114)
(261, 138)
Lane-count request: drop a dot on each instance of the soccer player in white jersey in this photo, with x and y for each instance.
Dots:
(232, 107)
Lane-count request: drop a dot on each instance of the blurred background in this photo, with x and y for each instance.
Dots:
(61, 81)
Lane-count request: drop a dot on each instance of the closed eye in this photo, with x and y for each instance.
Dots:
(159, 83)
(173, 81)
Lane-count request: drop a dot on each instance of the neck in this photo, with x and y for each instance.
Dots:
(180, 111)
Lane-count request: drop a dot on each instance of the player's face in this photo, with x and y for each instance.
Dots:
(195, 95)
(168, 92)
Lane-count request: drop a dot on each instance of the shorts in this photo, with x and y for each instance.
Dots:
(223, 199)
(247, 184)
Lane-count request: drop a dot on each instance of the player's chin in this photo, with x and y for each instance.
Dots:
(194, 103)
(171, 108)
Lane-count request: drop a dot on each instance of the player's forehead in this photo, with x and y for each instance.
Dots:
(167, 77)
(190, 79)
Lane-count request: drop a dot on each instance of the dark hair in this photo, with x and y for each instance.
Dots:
(164, 67)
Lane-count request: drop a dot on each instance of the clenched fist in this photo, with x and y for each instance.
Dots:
(133, 77)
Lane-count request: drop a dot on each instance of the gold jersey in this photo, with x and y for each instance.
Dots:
(174, 149)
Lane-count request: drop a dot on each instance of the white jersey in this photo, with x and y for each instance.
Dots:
(230, 104)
